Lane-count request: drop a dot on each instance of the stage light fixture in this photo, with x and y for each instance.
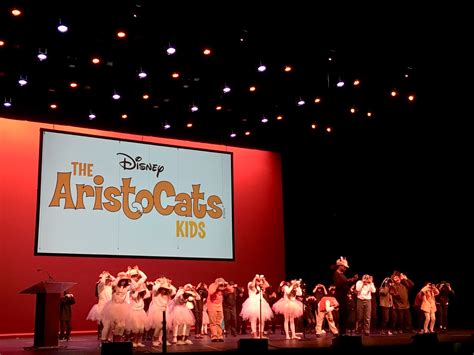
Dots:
(232, 134)
(300, 102)
(22, 81)
(264, 119)
(62, 27)
(226, 89)
(42, 55)
(16, 12)
(170, 50)
(206, 51)
(261, 68)
(340, 83)
(166, 125)
(92, 115)
(115, 96)
(142, 74)
(194, 108)
(7, 102)
(288, 68)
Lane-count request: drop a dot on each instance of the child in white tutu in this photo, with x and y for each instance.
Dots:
(162, 293)
(104, 295)
(290, 307)
(256, 308)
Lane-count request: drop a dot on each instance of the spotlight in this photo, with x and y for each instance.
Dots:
(233, 135)
(92, 116)
(262, 68)
(226, 89)
(340, 83)
(300, 102)
(42, 55)
(62, 28)
(142, 74)
(7, 102)
(166, 125)
(171, 50)
(22, 81)
(194, 108)
(115, 96)
(264, 119)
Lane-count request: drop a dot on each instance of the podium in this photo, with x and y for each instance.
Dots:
(48, 294)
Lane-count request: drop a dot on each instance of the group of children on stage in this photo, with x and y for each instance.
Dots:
(130, 307)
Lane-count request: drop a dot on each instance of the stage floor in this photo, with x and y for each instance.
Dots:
(454, 341)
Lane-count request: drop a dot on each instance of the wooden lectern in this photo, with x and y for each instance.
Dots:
(48, 294)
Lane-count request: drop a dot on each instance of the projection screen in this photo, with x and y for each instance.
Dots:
(109, 197)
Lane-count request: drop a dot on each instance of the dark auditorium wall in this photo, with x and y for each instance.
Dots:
(258, 228)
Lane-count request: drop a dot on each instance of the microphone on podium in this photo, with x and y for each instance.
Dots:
(47, 273)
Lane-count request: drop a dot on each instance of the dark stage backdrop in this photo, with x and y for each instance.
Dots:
(258, 229)
(393, 195)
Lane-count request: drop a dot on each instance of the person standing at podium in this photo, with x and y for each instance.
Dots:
(65, 315)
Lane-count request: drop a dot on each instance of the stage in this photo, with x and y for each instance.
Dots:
(454, 341)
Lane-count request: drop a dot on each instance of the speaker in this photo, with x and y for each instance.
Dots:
(428, 339)
(122, 348)
(253, 345)
(345, 341)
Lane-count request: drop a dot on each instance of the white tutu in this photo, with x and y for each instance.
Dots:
(251, 309)
(155, 315)
(290, 308)
(137, 321)
(180, 314)
(114, 312)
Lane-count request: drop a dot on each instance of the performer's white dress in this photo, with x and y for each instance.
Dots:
(105, 295)
(288, 305)
(251, 307)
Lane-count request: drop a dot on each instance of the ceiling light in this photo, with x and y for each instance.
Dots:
(175, 75)
(73, 84)
(247, 133)
(121, 34)
(171, 50)
(42, 55)
(194, 108)
(189, 125)
(218, 107)
(340, 83)
(96, 60)
(16, 12)
(411, 98)
(232, 134)
(115, 96)
(287, 68)
(7, 102)
(145, 96)
(279, 117)
(264, 119)
(356, 82)
(92, 115)
(166, 125)
(142, 74)
(252, 88)
(261, 68)
(2, 43)
(226, 89)
(62, 28)
(53, 106)
(300, 102)
(22, 81)
(206, 51)
(329, 129)
(317, 100)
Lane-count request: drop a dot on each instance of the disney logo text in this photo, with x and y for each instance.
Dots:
(129, 163)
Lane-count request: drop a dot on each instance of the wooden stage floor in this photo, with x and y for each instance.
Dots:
(454, 341)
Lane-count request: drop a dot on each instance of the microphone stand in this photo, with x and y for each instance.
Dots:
(260, 318)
